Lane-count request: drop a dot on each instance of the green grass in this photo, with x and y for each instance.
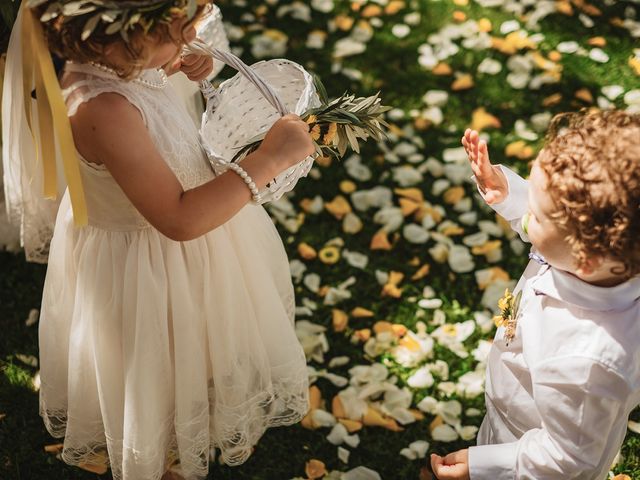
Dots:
(390, 65)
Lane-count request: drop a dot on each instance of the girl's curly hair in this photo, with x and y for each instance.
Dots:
(65, 39)
(592, 160)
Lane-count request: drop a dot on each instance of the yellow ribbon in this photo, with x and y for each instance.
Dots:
(52, 116)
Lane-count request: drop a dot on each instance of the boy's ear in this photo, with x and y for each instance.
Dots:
(589, 266)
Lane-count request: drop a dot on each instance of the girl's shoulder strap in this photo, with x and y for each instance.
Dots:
(84, 82)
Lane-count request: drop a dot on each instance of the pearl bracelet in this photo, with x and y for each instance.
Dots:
(255, 193)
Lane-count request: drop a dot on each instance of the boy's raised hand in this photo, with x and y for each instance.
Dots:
(491, 180)
(454, 466)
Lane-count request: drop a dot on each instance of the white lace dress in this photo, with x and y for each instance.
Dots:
(154, 350)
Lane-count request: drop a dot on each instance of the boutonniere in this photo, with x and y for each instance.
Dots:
(508, 317)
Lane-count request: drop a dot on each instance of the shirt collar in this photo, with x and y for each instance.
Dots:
(568, 288)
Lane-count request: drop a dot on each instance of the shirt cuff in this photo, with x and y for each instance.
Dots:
(493, 462)
(517, 202)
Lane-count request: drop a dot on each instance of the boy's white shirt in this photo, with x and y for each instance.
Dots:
(559, 395)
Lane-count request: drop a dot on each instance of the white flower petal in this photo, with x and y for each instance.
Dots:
(323, 418)
(421, 378)
(408, 453)
(444, 433)
(343, 454)
(421, 447)
(338, 434)
(361, 473)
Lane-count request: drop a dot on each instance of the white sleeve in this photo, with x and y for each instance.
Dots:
(582, 404)
(516, 205)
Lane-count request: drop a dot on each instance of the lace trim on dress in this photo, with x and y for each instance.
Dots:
(233, 429)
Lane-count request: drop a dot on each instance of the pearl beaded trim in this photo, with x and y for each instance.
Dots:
(255, 193)
(142, 81)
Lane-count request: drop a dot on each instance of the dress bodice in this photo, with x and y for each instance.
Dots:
(171, 128)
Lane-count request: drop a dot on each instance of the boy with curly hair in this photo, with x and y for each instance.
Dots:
(564, 370)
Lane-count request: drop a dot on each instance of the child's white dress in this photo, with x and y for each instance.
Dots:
(154, 349)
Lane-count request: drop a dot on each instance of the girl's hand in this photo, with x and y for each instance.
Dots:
(491, 180)
(195, 67)
(454, 466)
(287, 142)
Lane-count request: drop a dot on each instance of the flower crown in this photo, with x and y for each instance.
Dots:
(117, 16)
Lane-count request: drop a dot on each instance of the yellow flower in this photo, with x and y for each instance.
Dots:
(315, 132)
(498, 320)
(450, 329)
(505, 302)
(332, 130)
(329, 255)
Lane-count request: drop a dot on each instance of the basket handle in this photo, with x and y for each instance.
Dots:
(199, 48)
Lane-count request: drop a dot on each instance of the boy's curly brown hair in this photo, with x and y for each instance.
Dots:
(592, 160)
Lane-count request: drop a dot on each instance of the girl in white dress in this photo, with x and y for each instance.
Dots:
(166, 325)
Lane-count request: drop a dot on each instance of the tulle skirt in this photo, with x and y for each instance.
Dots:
(154, 351)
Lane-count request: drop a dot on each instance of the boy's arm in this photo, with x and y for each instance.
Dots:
(516, 203)
(582, 404)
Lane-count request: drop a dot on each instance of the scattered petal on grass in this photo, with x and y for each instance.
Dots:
(315, 469)
(634, 426)
(33, 317)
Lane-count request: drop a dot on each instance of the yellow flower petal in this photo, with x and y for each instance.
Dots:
(362, 335)
(371, 11)
(340, 320)
(453, 195)
(463, 82)
(394, 7)
(484, 25)
(634, 63)
(360, 312)
(306, 251)
(422, 272)
(344, 22)
(459, 16)
(552, 100)
(414, 194)
(564, 7)
(315, 469)
(352, 426)
(597, 42)
(519, 149)
(585, 95)
(347, 186)
(382, 326)
(409, 343)
(374, 418)
(486, 247)
(337, 408)
(442, 69)
(481, 120)
(338, 207)
(380, 241)
(315, 397)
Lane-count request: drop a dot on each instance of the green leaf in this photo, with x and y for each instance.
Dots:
(192, 7)
(115, 27)
(52, 12)
(90, 26)
(109, 16)
(322, 92)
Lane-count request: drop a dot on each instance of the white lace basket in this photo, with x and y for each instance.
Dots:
(247, 105)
